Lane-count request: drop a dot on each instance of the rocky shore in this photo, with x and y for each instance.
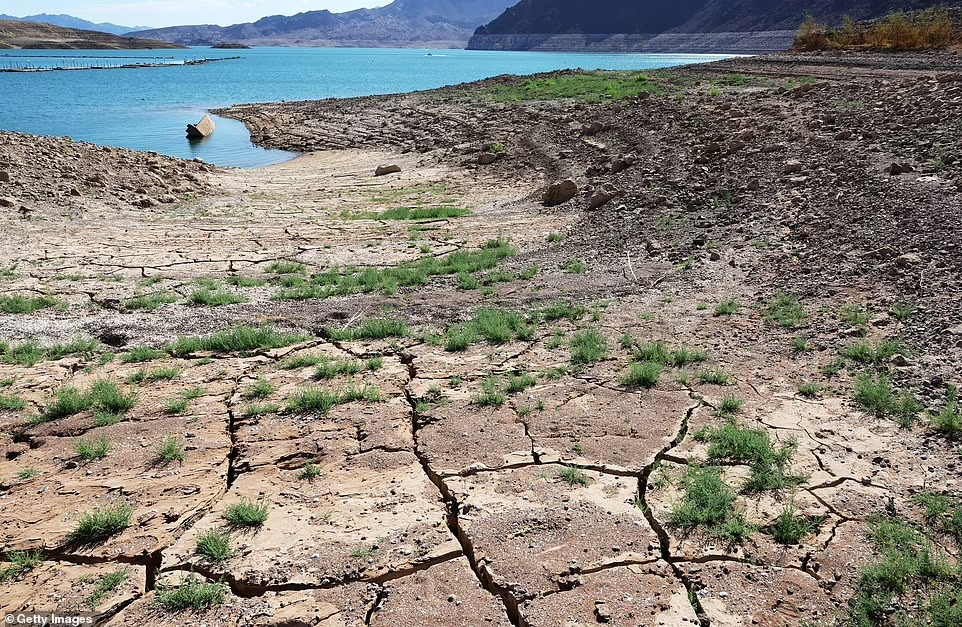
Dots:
(661, 348)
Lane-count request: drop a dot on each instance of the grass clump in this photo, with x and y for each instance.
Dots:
(588, 346)
(255, 410)
(730, 405)
(491, 394)
(575, 266)
(262, 388)
(107, 396)
(853, 315)
(170, 450)
(810, 390)
(375, 329)
(876, 395)
(727, 307)
(286, 266)
(141, 354)
(99, 525)
(215, 298)
(176, 407)
(784, 310)
(157, 374)
(31, 352)
(520, 382)
(191, 595)
(769, 465)
(493, 325)
(573, 476)
(417, 213)
(91, 449)
(20, 562)
(150, 302)
(642, 375)
(214, 545)
(790, 527)
(106, 585)
(318, 401)
(948, 419)
(310, 472)
(865, 353)
(714, 376)
(236, 340)
(243, 281)
(709, 504)
(24, 304)
(333, 368)
(246, 514)
(68, 402)
(558, 311)
(11, 403)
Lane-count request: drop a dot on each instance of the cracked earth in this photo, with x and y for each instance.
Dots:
(427, 507)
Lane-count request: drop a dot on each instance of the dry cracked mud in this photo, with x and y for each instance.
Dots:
(498, 413)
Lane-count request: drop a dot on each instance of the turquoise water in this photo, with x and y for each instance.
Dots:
(149, 108)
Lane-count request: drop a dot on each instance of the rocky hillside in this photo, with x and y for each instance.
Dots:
(20, 34)
(403, 23)
(686, 26)
(69, 21)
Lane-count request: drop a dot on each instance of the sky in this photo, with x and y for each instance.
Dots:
(159, 13)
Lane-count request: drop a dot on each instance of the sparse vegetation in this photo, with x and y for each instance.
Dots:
(141, 354)
(99, 525)
(769, 466)
(714, 376)
(107, 584)
(21, 562)
(236, 340)
(492, 325)
(215, 298)
(491, 394)
(790, 526)
(784, 310)
(150, 302)
(642, 374)
(191, 595)
(877, 395)
(928, 29)
(31, 352)
(92, 449)
(26, 304)
(597, 86)
(864, 352)
(709, 504)
(285, 266)
(588, 346)
(246, 514)
(727, 307)
(310, 472)
(948, 419)
(853, 315)
(810, 390)
(573, 476)
(170, 450)
(157, 374)
(374, 329)
(11, 403)
(319, 401)
(262, 388)
(214, 545)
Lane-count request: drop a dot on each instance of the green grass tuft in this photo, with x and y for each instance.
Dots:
(214, 545)
(191, 595)
(644, 374)
(236, 340)
(573, 476)
(24, 304)
(877, 396)
(246, 514)
(150, 302)
(99, 525)
(91, 449)
(588, 346)
(170, 450)
(727, 307)
(784, 310)
(215, 298)
(708, 503)
(375, 329)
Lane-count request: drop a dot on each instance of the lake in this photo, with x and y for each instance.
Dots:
(149, 108)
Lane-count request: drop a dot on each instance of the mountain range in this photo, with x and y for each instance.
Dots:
(69, 21)
(403, 23)
(747, 26)
(40, 35)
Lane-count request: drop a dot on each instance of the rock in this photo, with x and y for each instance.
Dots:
(652, 246)
(145, 202)
(594, 128)
(622, 163)
(75, 192)
(6, 201)
(843, 135)
(753, 185)
(894, 169)
(735, 146)
(602, 614)
(930, 119)
(387, 169)
(792, 166)
(204, 128)
(746, 135)
(4, 177)
(560, 192)
(908, 259)
(601, 197)
(486, 158)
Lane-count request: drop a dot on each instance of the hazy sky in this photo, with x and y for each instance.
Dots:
(175, 12)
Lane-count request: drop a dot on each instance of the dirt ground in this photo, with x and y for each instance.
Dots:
(521, 478)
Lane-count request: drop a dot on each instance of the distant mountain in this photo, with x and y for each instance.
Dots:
(658, 26)
(403, 23)
(69, 21)
(36, 35)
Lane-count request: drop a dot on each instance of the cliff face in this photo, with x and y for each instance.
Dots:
(657, 26)
(19, 34)
(434, 23)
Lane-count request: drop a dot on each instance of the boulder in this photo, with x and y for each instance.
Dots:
(4, 177)
(792, 166)
(601, 197)
(6, 201)
(560, 192)
(204, 128)
(387, 169)
(486, 158)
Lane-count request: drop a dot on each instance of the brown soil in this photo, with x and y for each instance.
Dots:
(749, 178)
